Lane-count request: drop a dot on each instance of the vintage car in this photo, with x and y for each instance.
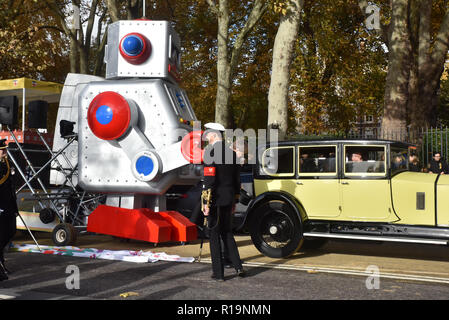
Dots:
(308, 191)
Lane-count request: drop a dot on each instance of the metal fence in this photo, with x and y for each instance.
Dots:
(434, 140)
(427, 140)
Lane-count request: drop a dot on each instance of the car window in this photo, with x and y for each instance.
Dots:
(398, 159)
(278, 161)
(315, 160)
(364, 160)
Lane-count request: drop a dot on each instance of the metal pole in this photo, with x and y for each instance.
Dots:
(73, 138)
(24, 178)
(427, 145)
(34, 172)
(29, 231)
(23, 109)
(202, 239)
(46, 164)
(18, 213)
(431, 140)
(446, 144)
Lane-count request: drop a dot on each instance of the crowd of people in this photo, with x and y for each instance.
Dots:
(436, 165)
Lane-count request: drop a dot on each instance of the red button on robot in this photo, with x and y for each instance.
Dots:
(109, 115)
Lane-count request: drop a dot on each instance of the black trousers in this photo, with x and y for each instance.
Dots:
(8, 229)
(220, 224)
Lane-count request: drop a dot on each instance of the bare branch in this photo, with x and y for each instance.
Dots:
(213, 6)
(260, 7)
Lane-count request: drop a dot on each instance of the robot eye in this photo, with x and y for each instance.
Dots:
(135, 48)
(132, 45)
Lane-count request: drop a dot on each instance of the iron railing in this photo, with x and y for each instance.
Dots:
(426, 140)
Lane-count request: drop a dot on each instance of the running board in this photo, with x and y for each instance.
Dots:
(374, 238)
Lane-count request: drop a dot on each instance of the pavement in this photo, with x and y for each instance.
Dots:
(341, 270)
(429, 263)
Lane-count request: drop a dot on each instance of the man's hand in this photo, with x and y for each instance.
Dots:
(206, 210)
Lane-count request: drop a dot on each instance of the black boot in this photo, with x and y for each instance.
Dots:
(3, 275)
(2, 261)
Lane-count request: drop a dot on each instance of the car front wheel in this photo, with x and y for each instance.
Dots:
(276, 230)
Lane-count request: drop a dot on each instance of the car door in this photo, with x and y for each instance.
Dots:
(365, 187)
(317, 186)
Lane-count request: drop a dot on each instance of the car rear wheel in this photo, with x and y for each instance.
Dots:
(276, 230)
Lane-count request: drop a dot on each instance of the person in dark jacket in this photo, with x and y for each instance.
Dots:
(438, 164)
(8, 208)
(414, 164)
(221, 188)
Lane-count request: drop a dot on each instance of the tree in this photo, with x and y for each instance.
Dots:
(81, 38)
(28, 45)
(283, 51)
(230, 39)
(417, 36)
(338, 73)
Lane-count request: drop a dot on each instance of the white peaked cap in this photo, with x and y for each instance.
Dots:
(214, 126)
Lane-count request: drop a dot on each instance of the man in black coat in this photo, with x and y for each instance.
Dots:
(8, 207)
(221, 188)
(438, 165)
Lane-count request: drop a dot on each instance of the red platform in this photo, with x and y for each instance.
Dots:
(141, 224)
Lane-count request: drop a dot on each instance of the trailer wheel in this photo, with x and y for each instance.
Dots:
(64, 234)
(275, 230)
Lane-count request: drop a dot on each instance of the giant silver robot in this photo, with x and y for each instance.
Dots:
(130, 124)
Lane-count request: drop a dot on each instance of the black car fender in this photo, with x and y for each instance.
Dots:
(275, 195)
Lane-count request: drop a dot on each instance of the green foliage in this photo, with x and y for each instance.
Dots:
(339, 72)
(28, 48)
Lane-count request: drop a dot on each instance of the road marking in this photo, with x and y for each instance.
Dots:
(315, 269)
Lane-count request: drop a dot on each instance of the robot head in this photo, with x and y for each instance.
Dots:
(143, 49)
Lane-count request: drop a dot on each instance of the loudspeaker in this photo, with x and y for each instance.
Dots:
(37, 114)
(9, 107)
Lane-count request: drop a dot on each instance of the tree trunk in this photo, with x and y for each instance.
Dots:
(113, 10)
(222, 113)
(73, 55)
(415, 64)
(228, 58)
(397, 81)
(283, 51)
(428, 64)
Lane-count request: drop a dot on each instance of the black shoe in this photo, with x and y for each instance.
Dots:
(3, 275)
(240, 272)
(220, 279)
(227, 264)
(7, 271)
